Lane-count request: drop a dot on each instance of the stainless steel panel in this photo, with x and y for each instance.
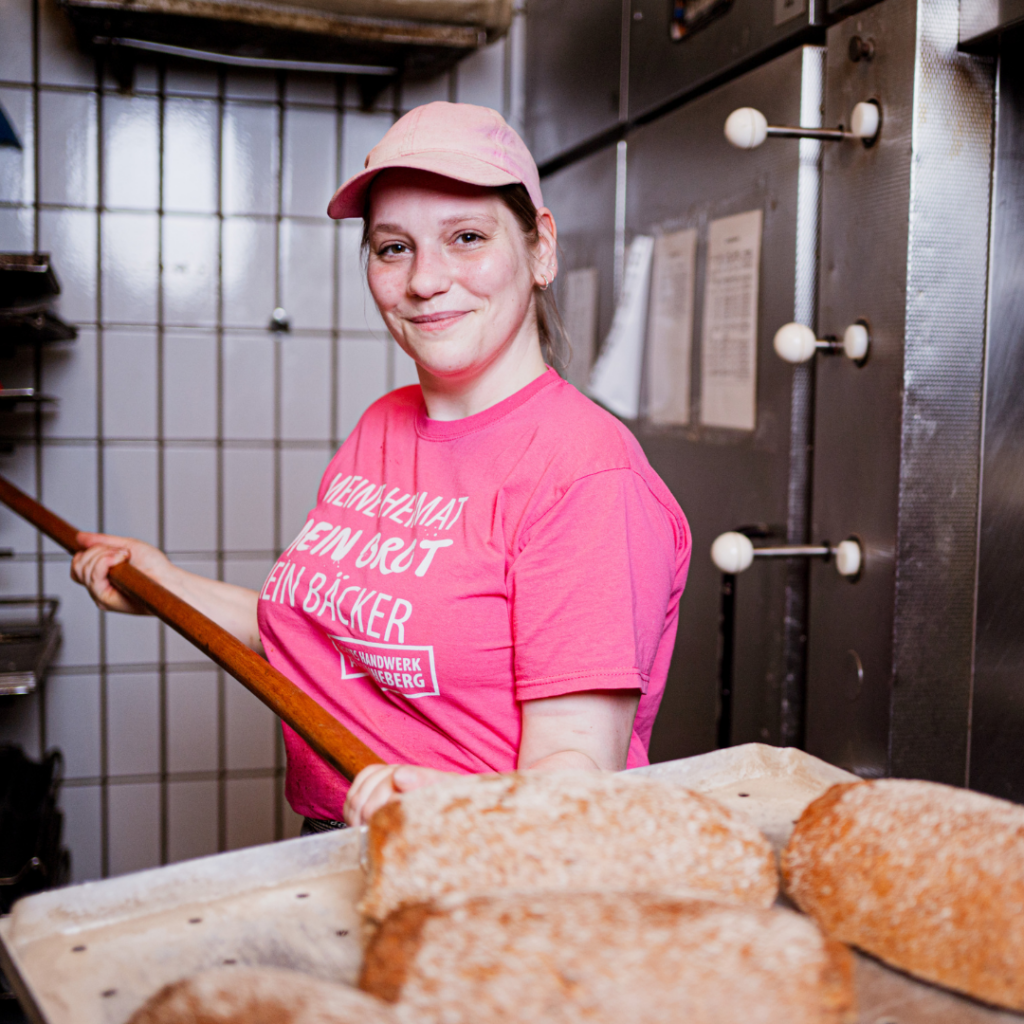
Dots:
(682, 173)
(904, 237)
(662, 70)
(582, 199)
(997, 753)
(982, 20)
(574, 51)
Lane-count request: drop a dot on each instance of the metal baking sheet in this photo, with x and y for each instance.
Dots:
(93, 953)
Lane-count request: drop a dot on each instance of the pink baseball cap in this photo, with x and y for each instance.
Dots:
(456, 140)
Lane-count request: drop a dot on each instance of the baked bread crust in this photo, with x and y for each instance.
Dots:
(260, 995)
(926, 877)
(560, 831)
(598, 958)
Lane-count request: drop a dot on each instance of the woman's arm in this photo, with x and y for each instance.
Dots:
(579, 730)
(232, 608)
(589, 731)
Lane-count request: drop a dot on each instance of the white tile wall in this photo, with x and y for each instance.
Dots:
(131, 152)
(178, 216)
(129, 382)
(17, 169)
(192, 721)
(16, 40)
(190, 499)
(68, 168)
(190, 255)
(84, 830)
(190, 155)
(191, 819)
(130, 255)
(310, 161)
(73, 722)
(250, 155)
(190, 384)
(133, 723)
(133, 828)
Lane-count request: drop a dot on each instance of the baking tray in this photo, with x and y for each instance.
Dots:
(92, 953)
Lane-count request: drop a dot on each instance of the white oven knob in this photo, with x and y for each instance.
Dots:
(856, 342)
(865, 120)
(732, 552)
(795, 343)
(746, 128)
(848, 558)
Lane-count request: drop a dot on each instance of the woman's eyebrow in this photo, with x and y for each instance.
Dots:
(447, 223)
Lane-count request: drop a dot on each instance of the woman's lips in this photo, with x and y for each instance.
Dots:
(437, 321)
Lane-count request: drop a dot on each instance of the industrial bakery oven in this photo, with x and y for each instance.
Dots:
(889, 234)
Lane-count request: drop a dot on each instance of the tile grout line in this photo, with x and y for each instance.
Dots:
(278, 337)
(161, 495)
(221, 686)
(100, 480)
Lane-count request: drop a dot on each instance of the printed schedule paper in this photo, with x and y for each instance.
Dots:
(670, 329)
(615, 382)
(729, 337)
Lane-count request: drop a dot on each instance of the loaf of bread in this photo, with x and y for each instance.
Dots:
(599, 958)
(557, 831)
(926, 877)
(260, 995)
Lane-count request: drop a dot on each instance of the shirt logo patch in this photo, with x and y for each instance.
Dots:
(403, 669)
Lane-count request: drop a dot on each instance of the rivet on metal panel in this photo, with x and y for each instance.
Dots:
(861, 49)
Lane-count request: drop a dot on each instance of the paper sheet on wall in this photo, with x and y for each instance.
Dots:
(580, 319)
(729, 339)
(670, 329)
(615, 382)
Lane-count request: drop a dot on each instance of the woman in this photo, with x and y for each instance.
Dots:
(490, 578)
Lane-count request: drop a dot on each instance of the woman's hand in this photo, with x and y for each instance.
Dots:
(92, 566)
(375, 786)
(232, 608)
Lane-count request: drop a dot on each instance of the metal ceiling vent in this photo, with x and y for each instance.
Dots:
(375, 40)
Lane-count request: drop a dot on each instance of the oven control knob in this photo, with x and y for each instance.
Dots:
(795, 343)
(848, 557)
(865, 120)
(856, 342)
(732, 552)
(746, 128)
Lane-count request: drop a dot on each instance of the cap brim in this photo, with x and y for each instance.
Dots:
(350, 199)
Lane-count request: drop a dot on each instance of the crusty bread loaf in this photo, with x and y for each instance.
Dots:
(599, 958)
(260, 995)
(557, 831)
(926, 877)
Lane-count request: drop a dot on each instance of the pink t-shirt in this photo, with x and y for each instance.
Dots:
(452, 569)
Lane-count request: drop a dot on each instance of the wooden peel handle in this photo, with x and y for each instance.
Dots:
(324, 733)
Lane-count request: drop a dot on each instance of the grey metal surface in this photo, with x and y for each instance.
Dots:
(997, 753)
(981, 21)
(582, 199)
(793, 698)
(662, 70)
(904, 243)
(573, 80)
(682, 173)
(843, 8)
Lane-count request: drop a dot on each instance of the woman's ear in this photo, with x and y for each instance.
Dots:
(545, 252)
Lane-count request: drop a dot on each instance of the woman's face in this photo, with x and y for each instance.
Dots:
(451, 273)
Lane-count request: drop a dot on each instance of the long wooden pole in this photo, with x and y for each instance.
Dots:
(324, 733)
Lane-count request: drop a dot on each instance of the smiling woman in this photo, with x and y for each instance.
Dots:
(491, 574)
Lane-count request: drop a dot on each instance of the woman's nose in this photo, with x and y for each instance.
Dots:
(430, 274)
